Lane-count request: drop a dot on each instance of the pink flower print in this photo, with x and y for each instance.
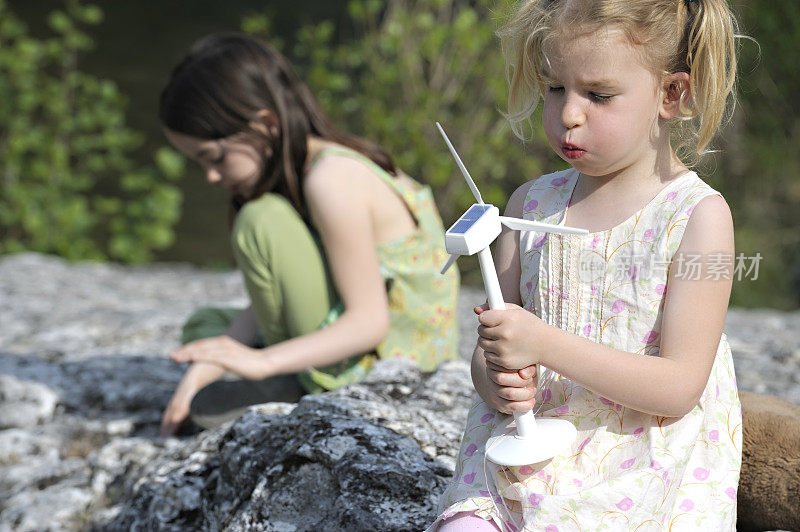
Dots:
(633, 272)
(551, 528)
(532, 204)
(535, 499)
(714, 436)
(559, 181)
(731, 492)
(661, 289)
(511, 526)
(618, 306)
(655, 465)
(484, 493)
(587, 330)
(638, 432)
(625, 504)
(526, 470)
(594, 289)
(564, 295)
(584, 443)
(606, 401)
(561, 410)
(627, 464)
(687, 505)
(468, 478)
(539, 241)
(486, 418)
(671, 196)
(529, 286)
(650, 337)
(594, 243)
(690, 209)
(546, 394)
(648, 235)
(470, 450)
(577, 482)
(700, 473)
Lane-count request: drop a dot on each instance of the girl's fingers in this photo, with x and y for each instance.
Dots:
(528, 372)
(481, 308)
(491, 318)
(515, 394)
(180, 355)
(485, 332)
(486, 345)
(497, 367)
(508, 379)
(520, 406)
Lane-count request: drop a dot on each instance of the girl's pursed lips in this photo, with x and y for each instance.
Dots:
(570, 146)
(572, 151)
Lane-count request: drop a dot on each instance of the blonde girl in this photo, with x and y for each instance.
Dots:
(630, 316)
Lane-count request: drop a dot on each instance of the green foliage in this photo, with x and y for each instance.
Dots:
(411, 64)
(760, 162)
(415, 62)
(68, 184)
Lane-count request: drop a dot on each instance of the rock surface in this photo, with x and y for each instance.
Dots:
(84, 377)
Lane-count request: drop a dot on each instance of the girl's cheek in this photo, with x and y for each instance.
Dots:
(554, 141)
(550, 125)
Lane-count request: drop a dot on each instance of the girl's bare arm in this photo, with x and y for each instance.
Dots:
(693, 317)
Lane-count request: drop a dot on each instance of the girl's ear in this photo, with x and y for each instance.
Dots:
(676, 93)
(267, 123)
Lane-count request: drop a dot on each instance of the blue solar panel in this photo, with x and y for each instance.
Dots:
(468, 218)
(475, 212)
(461, 226)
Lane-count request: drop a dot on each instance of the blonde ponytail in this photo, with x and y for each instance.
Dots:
(711, 62)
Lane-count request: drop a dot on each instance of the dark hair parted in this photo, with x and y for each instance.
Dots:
(217, 90)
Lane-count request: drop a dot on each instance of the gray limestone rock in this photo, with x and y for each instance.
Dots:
(84, 378)
(349, 460)
(24, 404)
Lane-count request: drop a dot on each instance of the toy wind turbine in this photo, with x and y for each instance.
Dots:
(534, 441)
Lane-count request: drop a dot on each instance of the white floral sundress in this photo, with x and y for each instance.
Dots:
(626, 470)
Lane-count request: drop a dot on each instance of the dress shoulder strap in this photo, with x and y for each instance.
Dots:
(409, 191)
(548, 196)
(675, 209)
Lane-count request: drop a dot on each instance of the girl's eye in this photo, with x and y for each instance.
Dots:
(555, 88)
(602, 98)
(220, 159)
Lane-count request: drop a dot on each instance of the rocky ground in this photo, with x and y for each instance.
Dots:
(84, 376)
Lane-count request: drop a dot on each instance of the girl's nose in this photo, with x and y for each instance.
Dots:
(213, 176)
(572, 114)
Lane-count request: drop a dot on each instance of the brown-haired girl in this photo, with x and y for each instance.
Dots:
(339, 249)
(630, 316)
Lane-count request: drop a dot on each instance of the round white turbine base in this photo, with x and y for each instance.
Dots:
(551, 437)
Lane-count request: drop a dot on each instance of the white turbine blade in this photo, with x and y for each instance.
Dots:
(528, 225)
(449, 263)
(461, 166)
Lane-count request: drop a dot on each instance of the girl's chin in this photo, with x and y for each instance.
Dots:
(587, 168)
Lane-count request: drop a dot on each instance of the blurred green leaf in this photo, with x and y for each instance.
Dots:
(413, 62)
(63, 140)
